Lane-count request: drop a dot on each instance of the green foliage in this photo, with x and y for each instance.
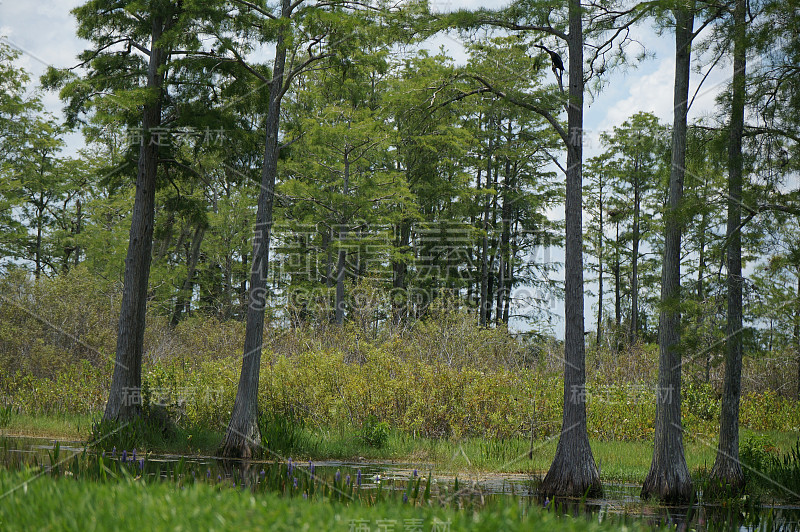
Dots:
(700, 400)
(111, 435)
(467, 383)
(281, 432)
(784, 473)
(767, 411)
(755, 452)
(6, 413)
(442, 378)
(118, 502)
(374, 432)
(769, 470)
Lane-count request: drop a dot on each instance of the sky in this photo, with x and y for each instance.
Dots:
(44, 31)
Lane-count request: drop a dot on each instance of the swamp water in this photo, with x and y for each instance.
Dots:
(369, 482)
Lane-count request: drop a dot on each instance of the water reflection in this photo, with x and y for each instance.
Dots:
(367, 480)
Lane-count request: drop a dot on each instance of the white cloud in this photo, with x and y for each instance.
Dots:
(46, 34)
(650, 93)
(653, 93)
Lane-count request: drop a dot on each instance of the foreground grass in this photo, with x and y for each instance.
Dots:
(66, 504)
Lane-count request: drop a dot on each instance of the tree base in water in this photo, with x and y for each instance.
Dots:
(572, 474)
(726, 480)
(669, 486)
(245, 443)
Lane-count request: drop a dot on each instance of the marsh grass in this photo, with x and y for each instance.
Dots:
(305, 482)
(770, 471)
(64, 426)
(619, 461)
(129, 504)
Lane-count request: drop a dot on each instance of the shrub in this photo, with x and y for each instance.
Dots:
(375, 432)
(755, 452)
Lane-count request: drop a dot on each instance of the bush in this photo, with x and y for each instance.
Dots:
(374, 432)
(442, 378)
(700, 400)
(755, 453)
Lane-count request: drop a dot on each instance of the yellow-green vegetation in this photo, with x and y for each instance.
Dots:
(388, 381)
(441, 390)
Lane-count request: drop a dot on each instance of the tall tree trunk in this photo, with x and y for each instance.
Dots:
(600, 238)
(38, 251)
(185, 293)
(797, 333)
(617, 287)
(399, 269)
(492, 288)
(512, 255)
(124, 401)
(341, 271)
(78, 229)
(701, 292)
(505, 250)
(668, 478)
(573, 472)
(243, 435)
(727, 469)
(327, 242)
(485, 299)
(634, 325)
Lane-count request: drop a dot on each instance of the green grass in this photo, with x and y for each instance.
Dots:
(60, 426)
(627, 461)
(67, 504)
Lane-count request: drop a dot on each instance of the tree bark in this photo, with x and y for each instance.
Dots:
(600, 237)
(400, 268)
(668, 478)
(634, 325)
(78, 228)
(701, 294)
(243, 436)
(727, 471)
(124, 400)
(341, 270)
(39, 222)
(485, 302)
(185, 293)
(505, 249)
(573, 472)
(617, 288)
(797, 334)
